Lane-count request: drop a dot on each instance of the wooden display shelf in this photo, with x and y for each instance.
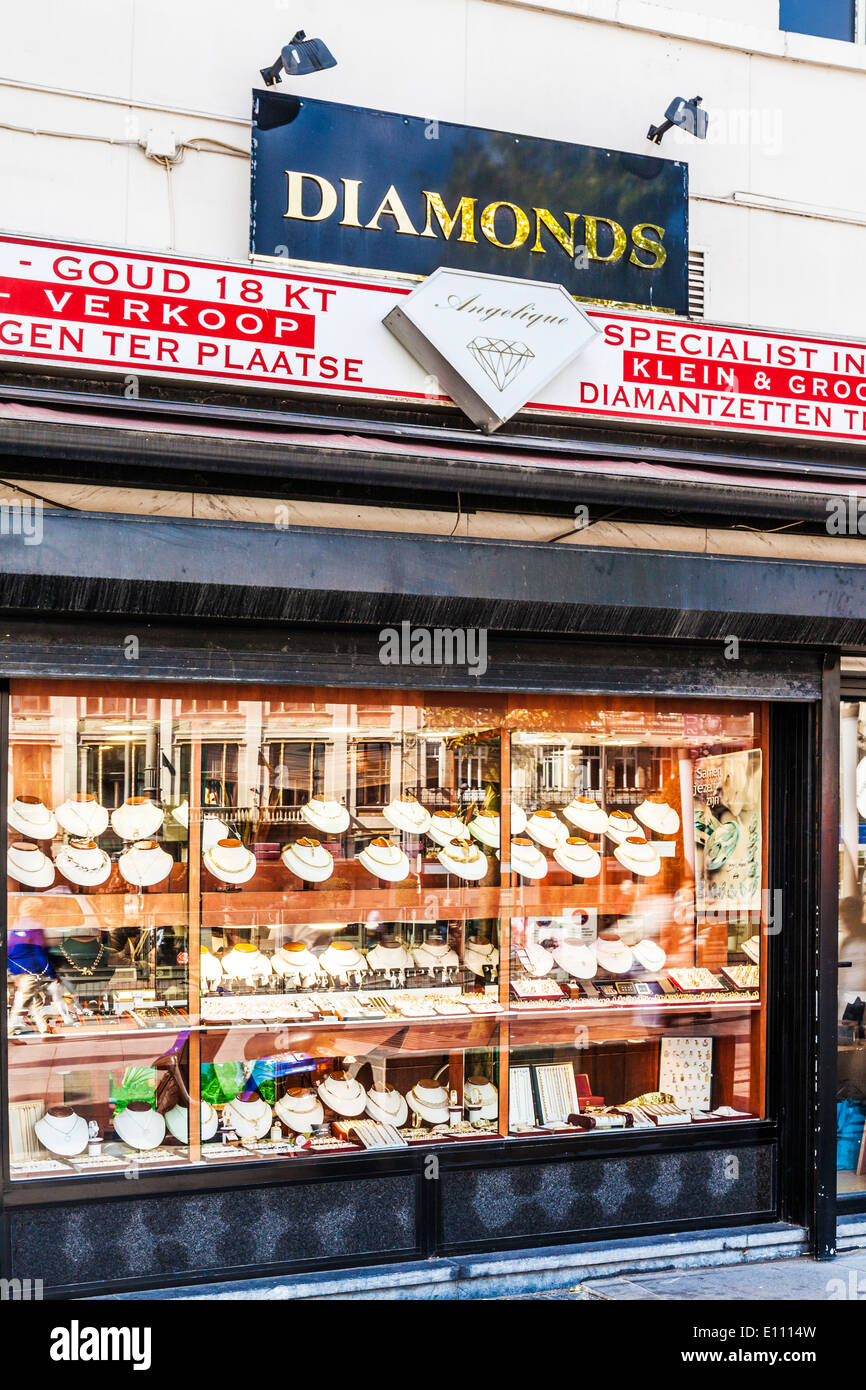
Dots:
(624, 1025)
(409, 901)
(603, 1019)
(38, 1067)
(107, 910)
(413, 901)
(69, 1034)
(236, 1042)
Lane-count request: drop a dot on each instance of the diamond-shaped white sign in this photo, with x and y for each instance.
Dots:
(492, 341)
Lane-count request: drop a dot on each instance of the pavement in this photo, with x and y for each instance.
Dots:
(817, 1281)
(769, 1262)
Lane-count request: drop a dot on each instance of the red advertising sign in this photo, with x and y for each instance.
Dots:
(86, 308)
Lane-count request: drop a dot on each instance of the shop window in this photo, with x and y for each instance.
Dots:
(114, 767)
(522, 921)
(218, 774)
(373, 774)
(826, 19)
(296, 771)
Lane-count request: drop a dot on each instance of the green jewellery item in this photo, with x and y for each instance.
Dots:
(138, 1083)
(221, 1081)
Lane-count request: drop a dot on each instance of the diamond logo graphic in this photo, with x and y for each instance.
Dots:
(492, 342)
(501, 360)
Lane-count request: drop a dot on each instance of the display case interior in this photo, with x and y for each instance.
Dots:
(311, 922)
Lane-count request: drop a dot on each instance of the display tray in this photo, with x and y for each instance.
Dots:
(696, 980)
(373, 1135)
(106, 1163)
(158, 1157)
(531, 988)
(534, 1131)
(229, 1153)
(225, 1153)
(38, 1168)
(709, 1118)
(742, 977)
(413, 1136)
(99, 1163)
(319, 1010)
(628, 1003)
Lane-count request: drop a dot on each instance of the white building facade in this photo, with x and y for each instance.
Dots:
(667, 612)
(776, 191)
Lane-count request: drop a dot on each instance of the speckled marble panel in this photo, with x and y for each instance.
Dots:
(241, 1229)
(536, 1199)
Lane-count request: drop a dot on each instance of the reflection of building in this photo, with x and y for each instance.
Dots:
(622, 774)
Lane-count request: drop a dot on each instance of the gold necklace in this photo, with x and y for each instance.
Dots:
(83, 969)
(462, 852)
(431, 1104)
(325, 815)
(77, 864)
(240, 870)
(380, 859)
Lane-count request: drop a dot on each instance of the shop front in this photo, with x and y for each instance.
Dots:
(393, 871)
(308, 975)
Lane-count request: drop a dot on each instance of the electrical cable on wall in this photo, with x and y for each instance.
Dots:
(201, 144)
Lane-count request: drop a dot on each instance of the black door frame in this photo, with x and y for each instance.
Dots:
(852, 687)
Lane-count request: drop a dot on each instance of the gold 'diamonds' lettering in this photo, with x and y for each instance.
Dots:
(648, 252)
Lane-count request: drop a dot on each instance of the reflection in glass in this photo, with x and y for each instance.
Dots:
(274, 925)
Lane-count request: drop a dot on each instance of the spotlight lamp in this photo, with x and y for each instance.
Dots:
(299, 57)
(688, 115)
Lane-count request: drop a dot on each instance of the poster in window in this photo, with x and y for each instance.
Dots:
(728, 831)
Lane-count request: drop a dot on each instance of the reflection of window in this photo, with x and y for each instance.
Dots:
(588, 774)
(827, 19)
(372, 774)
(297, 772)
(29, 704)
(432, 766)
(553, 769)
(115, 771)
(470, 767)
(219, 773)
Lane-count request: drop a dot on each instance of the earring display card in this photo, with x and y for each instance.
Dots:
(686, 1071)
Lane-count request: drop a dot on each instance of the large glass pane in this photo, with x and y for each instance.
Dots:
(828, 19)
(350, 930)
(98, 947)
(262, 924)
(635, 949)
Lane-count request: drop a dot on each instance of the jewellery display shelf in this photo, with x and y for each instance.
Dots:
(378, 1010)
